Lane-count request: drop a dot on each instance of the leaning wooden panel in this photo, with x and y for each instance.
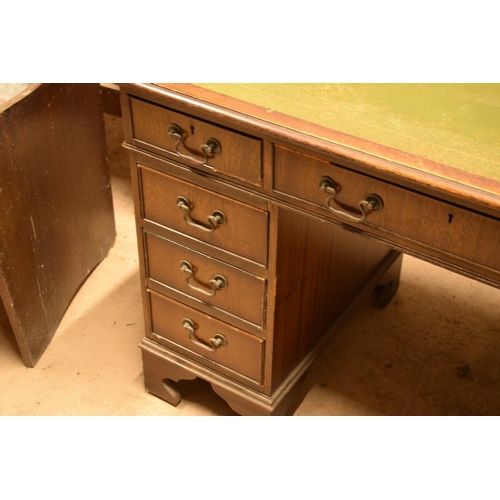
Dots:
(57, 219)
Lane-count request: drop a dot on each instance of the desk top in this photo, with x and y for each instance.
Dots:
(454, 124)
(451, 131)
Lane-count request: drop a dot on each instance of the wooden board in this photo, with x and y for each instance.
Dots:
(57, 218)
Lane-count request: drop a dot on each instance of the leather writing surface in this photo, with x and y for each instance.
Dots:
(454, 124)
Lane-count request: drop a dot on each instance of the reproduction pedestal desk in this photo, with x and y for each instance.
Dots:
(267, 213)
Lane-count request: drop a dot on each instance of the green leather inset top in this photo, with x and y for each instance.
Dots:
(455, 124)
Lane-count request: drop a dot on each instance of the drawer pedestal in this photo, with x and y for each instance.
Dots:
(240, 287)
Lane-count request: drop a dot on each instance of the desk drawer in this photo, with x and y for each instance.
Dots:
(224, 287)
(244, 230)
(236, 155)
(443, 226)
(232, 348)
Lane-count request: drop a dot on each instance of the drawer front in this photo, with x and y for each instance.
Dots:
(237, 155)
(220, 285)
(206, 336)
(244, 229)
(418, 217)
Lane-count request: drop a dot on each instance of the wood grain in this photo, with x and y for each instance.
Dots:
(57, 219)
(319, 270)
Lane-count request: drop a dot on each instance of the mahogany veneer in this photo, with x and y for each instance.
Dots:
(296, 257)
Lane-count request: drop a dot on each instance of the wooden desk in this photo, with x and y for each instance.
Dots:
(266, 213)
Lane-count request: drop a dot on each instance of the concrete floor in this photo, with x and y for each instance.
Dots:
(434, 350)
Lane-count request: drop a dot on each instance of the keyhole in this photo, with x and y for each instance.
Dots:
(192, 130)
(450, 218)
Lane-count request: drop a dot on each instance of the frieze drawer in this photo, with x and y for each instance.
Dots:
(197, 143)
(454, 230)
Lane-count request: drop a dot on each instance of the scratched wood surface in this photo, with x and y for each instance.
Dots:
(57, 216)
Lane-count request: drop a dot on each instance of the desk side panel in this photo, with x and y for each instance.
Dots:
(319, 270)
(57, 219)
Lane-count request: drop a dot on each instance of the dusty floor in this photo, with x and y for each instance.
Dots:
(434, 350)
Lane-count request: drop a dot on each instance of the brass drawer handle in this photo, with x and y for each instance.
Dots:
(218, 217)
(217, 341)
(372, 202)
(211, 148)
(218, 282)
